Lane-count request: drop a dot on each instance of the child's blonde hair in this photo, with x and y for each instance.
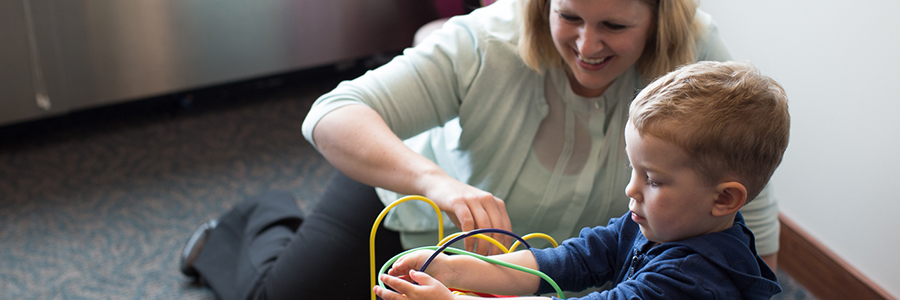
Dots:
(670, 44)
(732, 121)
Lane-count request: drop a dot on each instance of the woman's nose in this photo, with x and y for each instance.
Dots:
(590, 41)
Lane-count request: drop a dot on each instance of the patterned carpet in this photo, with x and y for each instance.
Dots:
(97, 204)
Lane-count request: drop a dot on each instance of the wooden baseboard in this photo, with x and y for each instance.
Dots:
(819, 270)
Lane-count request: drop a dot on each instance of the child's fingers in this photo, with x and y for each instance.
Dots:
(387, 294)
(399, 269)
(408, 262)
(425, 280)
(399, 285)
(394, 271)
(427, 288)
(422, 278)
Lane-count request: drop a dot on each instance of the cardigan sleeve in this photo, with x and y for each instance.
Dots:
(710, 46)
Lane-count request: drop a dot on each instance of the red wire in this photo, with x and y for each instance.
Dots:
(483, 295)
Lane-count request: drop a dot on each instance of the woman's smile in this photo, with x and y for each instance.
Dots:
(592, 64)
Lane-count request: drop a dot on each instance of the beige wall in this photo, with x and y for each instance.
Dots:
(840, 64)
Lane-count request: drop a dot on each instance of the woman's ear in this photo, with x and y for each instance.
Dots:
(732, 195)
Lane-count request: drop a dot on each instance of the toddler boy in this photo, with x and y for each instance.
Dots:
(702, 141)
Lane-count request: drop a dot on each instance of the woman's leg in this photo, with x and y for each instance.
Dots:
(327, 256)
(258, 225)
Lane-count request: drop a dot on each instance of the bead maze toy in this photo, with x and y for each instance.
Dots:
(444, 243)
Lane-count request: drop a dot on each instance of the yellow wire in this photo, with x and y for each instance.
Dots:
(534, 235)
(480, 236)
(378, 221)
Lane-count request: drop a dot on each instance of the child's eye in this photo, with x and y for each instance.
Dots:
(652, 183)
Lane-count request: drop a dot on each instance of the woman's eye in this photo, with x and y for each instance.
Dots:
(614, 26)
(569, 18)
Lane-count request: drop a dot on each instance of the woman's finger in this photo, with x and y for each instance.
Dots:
(466, 221)
(505, 223)
(482, 220)
(495, 209)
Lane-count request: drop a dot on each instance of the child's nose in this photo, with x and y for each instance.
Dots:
(632, 191)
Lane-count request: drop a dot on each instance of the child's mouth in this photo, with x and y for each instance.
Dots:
(637, 218)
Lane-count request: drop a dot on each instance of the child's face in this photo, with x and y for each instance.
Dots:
(669, 200)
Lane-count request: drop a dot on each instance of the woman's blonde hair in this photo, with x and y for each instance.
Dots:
(670, 44)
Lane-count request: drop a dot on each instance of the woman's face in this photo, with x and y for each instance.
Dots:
(599, 39)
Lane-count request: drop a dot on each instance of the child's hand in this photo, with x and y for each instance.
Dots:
(414, 262)
(428, 288)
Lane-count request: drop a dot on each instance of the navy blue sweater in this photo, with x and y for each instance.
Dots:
(721, 265)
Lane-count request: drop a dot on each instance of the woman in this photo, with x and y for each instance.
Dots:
(510, 117)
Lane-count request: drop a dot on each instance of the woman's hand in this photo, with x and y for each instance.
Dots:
(470, 208)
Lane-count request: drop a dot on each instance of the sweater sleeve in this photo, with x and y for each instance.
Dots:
(586, 261)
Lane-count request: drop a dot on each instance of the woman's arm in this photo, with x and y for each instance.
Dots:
(357, 141)
(359, 126)
(761, 216)
(771, 260)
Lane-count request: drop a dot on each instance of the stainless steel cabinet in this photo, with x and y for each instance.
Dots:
(17, 93)
(85, 53)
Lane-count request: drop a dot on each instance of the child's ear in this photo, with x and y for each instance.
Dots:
(731, 197)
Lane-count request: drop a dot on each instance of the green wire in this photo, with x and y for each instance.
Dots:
(484, 258)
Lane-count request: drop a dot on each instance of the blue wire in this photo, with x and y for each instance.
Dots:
(468, 234)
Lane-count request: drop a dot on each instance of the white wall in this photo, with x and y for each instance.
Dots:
(839, 62)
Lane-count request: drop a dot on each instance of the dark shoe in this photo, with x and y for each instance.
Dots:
(194, 245)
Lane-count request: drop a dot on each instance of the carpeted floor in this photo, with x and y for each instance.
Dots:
(97, 204)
